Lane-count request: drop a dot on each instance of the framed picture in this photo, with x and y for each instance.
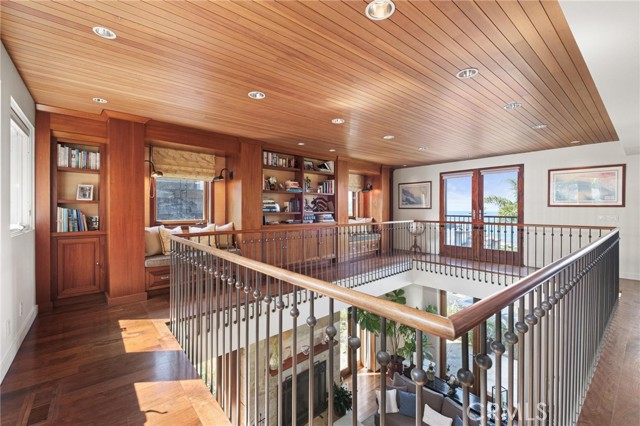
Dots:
(308, 165)
(84, 192)
(600, 186)
(416, 195)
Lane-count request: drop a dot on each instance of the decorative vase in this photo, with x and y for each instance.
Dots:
(431, 374)
(452, 391)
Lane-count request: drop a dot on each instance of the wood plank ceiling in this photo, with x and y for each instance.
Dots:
(193, 63)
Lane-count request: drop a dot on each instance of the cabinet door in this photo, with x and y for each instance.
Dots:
(78, 266)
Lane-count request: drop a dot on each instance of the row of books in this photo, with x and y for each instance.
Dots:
(77, 158)
(328, 186)
(273, 159)
(73, 220)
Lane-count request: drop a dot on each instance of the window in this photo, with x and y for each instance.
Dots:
(353, 204)
(181, 200)
(21, 180)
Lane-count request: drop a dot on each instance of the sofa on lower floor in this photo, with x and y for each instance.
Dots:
(438, 402)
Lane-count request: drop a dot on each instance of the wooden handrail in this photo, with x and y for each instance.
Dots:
(540, 225)
(425, 321)
(473, 315)
(448, 328)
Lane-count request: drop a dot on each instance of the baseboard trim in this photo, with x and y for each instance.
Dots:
(17, 342)
(131, 298)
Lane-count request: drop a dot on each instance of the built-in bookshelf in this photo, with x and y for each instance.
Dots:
(76, 188)
(78, 232)
(297, 189)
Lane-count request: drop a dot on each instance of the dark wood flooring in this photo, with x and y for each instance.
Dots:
(120, 365)
(99, 365)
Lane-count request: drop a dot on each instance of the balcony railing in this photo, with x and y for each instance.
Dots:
(233, 315)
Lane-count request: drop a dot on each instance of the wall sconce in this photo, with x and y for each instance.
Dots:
(154, 172)
(220, 177)
(367, 188)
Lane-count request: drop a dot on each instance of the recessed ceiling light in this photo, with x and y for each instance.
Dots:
(512, 105)
(254, 94)
(388, 137)
(378, 10)
(300, 143)
(332, 150)
(575, 142)
(100, 100)
(404, 165)
(539, 126)
(338, 121)
(467, 73)
(104, 33)
(422, 148)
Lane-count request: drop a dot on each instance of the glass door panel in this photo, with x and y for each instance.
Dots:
(456, 213)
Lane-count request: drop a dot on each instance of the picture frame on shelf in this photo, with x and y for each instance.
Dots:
(597, 186)
(414, 195)
(308, 165)
(84, 192)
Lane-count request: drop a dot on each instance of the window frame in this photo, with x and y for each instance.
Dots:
(207, 206)
(27, 178)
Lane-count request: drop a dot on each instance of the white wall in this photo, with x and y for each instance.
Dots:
(536, 166)
(17, 253)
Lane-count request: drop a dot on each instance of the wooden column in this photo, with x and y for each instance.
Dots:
(125, 207)
(43, 208)
(342, 194)
(378, 197)
(244, 191)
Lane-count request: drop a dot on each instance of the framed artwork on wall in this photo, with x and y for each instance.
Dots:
(599, 186)
(415, 195)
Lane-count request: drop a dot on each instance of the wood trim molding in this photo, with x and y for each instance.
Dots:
(159, 133)
(107, 114)
(69, 112)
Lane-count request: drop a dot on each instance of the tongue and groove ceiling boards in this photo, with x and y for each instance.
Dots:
(192, 63)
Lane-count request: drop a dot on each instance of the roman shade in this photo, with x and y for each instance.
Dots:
(184, 164)
(355, 183)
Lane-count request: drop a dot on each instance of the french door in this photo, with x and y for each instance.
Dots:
(480, 210)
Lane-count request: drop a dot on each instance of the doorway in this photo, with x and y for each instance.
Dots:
(481, 210)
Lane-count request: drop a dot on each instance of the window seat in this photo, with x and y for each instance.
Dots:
(363, 239)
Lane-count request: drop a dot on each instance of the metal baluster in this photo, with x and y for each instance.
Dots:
(511, 338)
(354, 345)
(498, 348)
(420, 377)
(331, 332)
(485, 363)
(311, 322)
(383, 358)
(521, 328)
(465, 377)
(294, 312)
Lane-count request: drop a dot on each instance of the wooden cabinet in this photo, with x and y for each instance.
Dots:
(297, 190)
(79, 266)
(78, 229)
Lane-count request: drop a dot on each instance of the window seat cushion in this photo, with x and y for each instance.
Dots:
(364, 237)
(157, 260)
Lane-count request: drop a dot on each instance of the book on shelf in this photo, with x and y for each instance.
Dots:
(73, 220)
(327, 186)
(76, 158)
(277, 160)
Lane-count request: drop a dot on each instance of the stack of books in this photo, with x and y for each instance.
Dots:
(270, 205)
(292, 186)
(327, 186)
(324, 218)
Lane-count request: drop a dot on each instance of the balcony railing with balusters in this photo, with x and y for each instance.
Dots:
(226, 308)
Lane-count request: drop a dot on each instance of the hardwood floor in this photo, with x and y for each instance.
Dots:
(614, 395)
(99, 365)
(120, 365)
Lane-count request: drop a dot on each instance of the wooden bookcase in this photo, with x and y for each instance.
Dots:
(78, 228)
(315, 200)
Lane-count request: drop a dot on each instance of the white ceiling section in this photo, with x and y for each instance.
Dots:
(608, 35)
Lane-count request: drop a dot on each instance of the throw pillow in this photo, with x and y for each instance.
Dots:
(458, 421)
(152, 243)
(432, 418)
(207, 240)
(407, 402)
(226, 240)
(392, 403)
(164, 238)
